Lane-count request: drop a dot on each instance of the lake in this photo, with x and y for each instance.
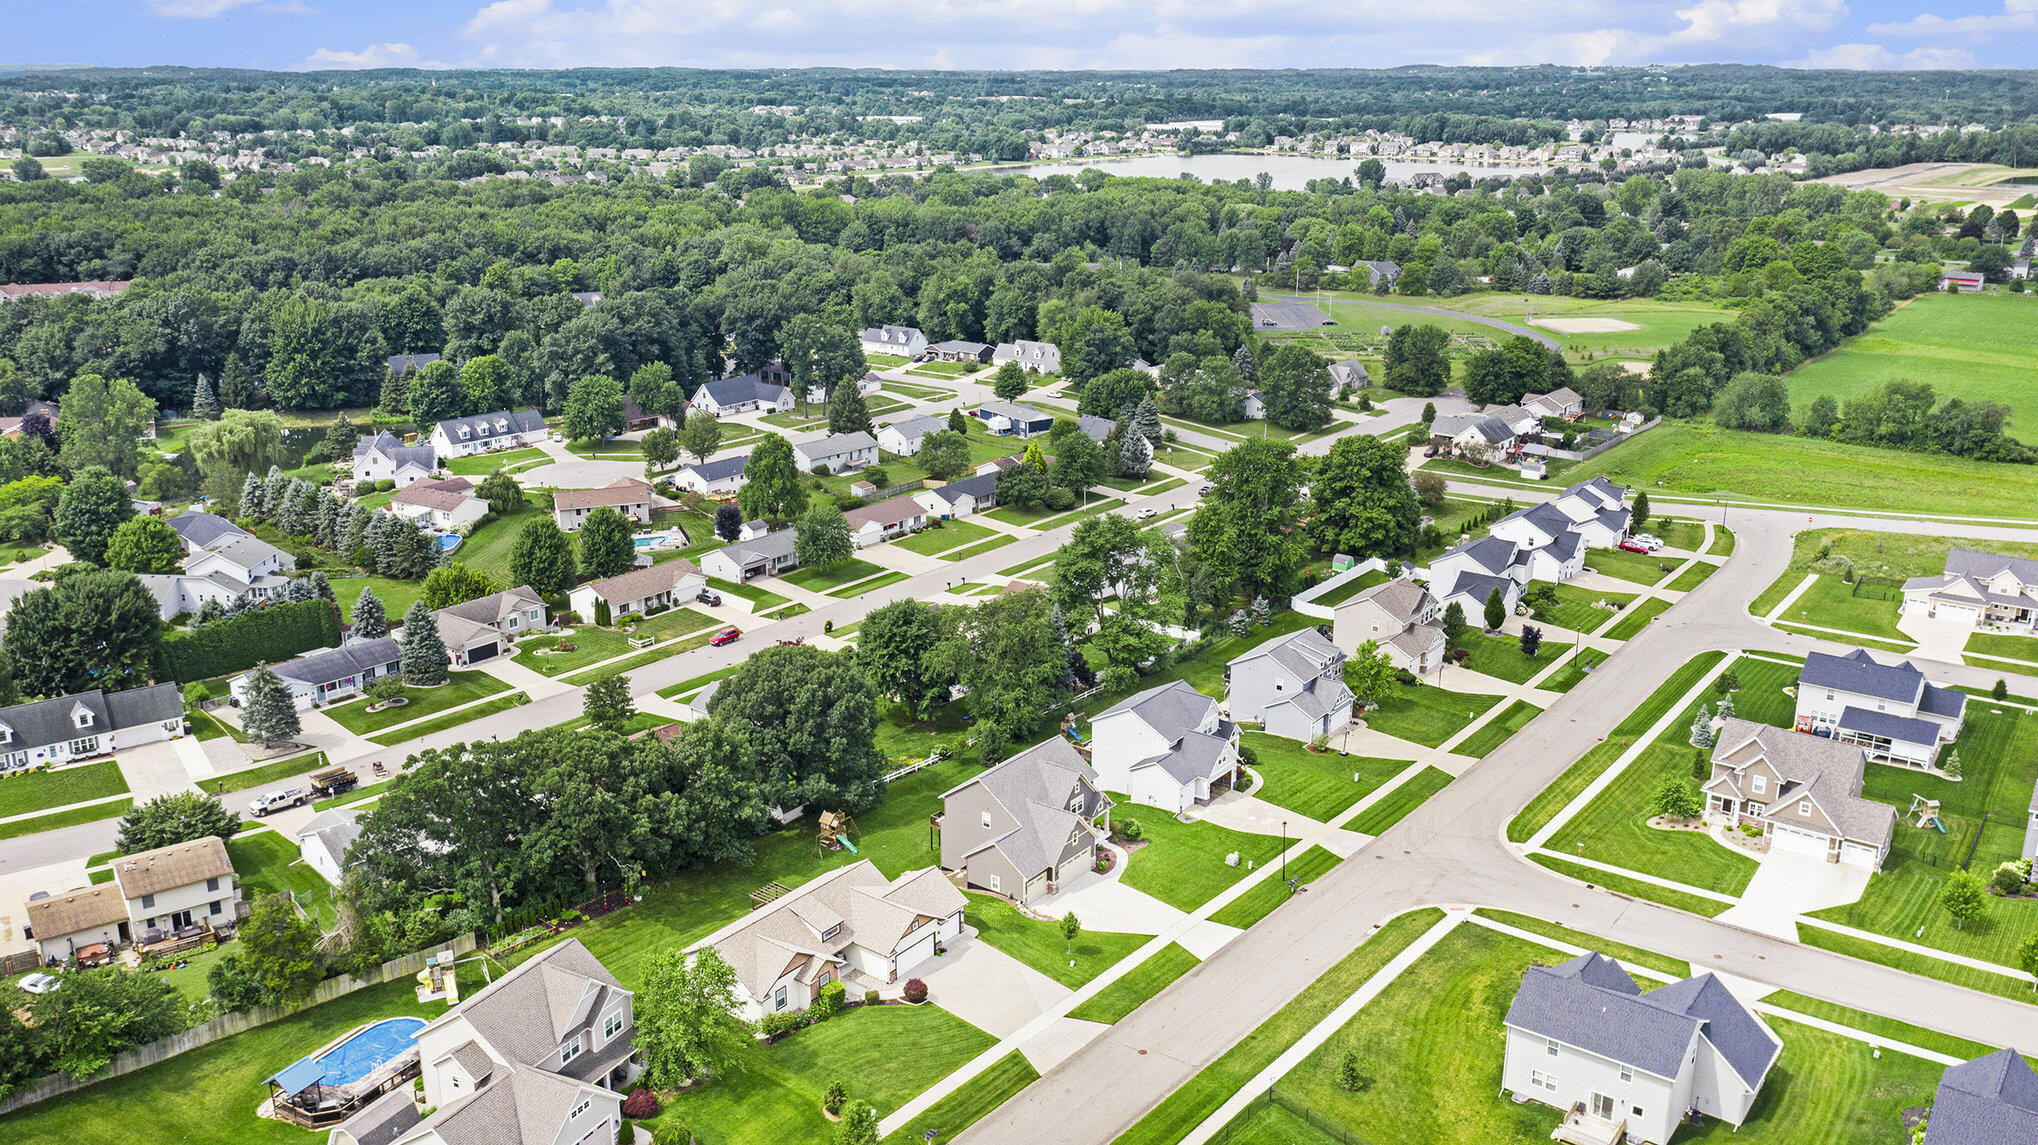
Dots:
(1290, 172)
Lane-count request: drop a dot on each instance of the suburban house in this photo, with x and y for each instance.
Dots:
(402, 364)
(1098, 428)
(1980, 590)
(1468, 574)
(660, 586)
(1254, 406)
(1556, 550)
(960, 498)
(1804, 790)
(1400, 616)
(1520, 422)
(635, 418)
(200, 530)
(1598, 510)
(382, 456)
(487, 432)
(957, 350)
(1010, 419)
(1964, 281)
(1562, 402)
(885, 520)
(851, 925)
(1033, 357)
(1583, 1037)
(768, 555)
(626, 495)
(903, 438)
(1347, 376)
(540, 1055)
(1293, 687)
(899, 341)
(1168, 747)
(1471, 433)
(178, 593)
(57, 730)
(244, 560)
(323, 842)
(154, 895)
(1378, 271)
(764, 390)
(1889, 709)
(837, 453)
(324, 675)
(486, 627)
(446, 504)
(721, 477)
(1991, 1100)
(1026, 826)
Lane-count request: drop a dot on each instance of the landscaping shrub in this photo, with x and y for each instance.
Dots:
(1130, 830)
(671, 1133)
(629, 618)
(782, 1022)
(828, 1002)
(2007, 880)
(834, 1099)
(625, 1135)
(870, 997)
(640, 1105)
(916, 991)
(237, 643)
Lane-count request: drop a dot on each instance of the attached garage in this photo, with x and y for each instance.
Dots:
(1796, 841)
(480, 652)
(1861, 855)
(917, 953)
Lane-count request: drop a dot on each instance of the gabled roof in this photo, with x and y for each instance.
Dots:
(1970, 562)
(392, 447)
(885, 513)
(769, 547)
(835, 445)
(444, 495)
(637, 584)
(526, 1013)
(621, 491)
(1991, 1100)
(199, 529)
(740, 389)
(919, 425)
(1492, 554)
(1303, 653)
(324, 665)
(1169, 709)
(1095, 428)
(242, 552)
(1014, 411)
(335, 831)
(1598, 489)
(720, 468)
(482, 426)
(1857, 672)
(1826, 770)
(979, 487)
(1591, 1004)
(1035, 787)
(40, 723)
(891, 335)
(876, 913)
(1400, 599)
(177, 865)
(73, 911)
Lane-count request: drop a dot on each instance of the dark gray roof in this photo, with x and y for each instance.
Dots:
(1590, 1003)
(1605, 490)
(770, 546)
(1195, 755)
(1946, 702)
(1015, 411)
(405, 363)
(977, 487)
(1478, 586)
(1493, 554)
(482, 426)
(1991, 1100)
(1544, 516)
(392, 447)
(837, 444)
(201, 529)
(1729, 1026)
(744, 388)
(1968, 562)
(526, 1013)
(40, 723)
(920, 425)
(720, 468)
(1094, 427)
(1170, 709)
(1857, 672)
(1889, 725)
(322, 665)
(1035, 788)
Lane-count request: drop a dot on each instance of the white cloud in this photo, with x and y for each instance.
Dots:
(1875, 57)
(372, 56)
(209, 9)
(2016, 16)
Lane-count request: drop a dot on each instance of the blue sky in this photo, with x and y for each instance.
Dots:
(1017, 33)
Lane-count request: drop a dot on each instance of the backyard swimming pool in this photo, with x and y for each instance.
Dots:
(366, 1051)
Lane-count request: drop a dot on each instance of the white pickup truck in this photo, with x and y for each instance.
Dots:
(276, 801)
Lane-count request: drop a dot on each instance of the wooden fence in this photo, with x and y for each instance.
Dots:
(227, 1025)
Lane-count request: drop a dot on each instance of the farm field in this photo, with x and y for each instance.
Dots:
(1972, 346)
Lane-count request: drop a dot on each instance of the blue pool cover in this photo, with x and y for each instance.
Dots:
(353, 1059)
(449, 542)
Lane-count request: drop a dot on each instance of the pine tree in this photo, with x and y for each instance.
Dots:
(958, 422)
(300, 504)
(1726, 708)
(1135, 456)
(1952, 764)
(208, 612)
(1263, 612)
(299, 589)
(332, 519)
(846, 411)
(1496, 611)
(1248, 369)
(355, 533)
(371, 620)
(271, 713)
(237, 388)
(424, 654)
(275, 493)
(204, 403)
(378, 542)
(395, 397)
(1241, 623)
(1146, 418)
(322, 588)
(251, 496)
(1701, 727)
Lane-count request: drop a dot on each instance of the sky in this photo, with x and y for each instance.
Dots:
(1016, 34)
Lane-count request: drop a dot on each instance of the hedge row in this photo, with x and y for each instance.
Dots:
(237, 643)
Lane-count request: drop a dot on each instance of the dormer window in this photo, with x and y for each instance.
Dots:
(464, 432)
(831, 932)
(81, 717)
(6, 734)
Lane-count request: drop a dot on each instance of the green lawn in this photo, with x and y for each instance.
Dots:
(1182, 864)
(1633, 955)
(30, 791)
(884, 1055)
(1039, 943)
(1498, 730)
(1972, 346)
(299, 764)
(268, 863)
(488, 463)
(1830, 602)
(2004, 646)
(1576, 609)
(904, 739)
(460, 688)
(1500, 656)
(996, 542)
(1641, 568)
(861, 587)
(1425, 713)
(951, 535)
(761, 598)
(1633, 888)
(58, 819)
(1613, 828)
(593, 644)
(1351, 588)
(969, 1103)
(1399, 802)
(1269, 893)
(816, 581)
(2011, 985)
(1635, 619)
(354, 796)
(1097, 506)
(1135, 986)
(1314, 784)
(1693, 577)
(1888, 1028)
(1201, 1095)
(449, 720)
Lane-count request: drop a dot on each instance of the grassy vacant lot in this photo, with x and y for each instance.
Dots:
(881, 1054)
(863, 586)
(1500, 656)
(1182, 864)
(1633, 888)
(1039, 944)
(32, 791)
(1972, 346)
(1201, 1095)
(1400, 801)
(1426, 714)
(1701, 460)
(1316, 784)
(1614, 828)
(969, 1103)
(1132, 990)
(1895, 556)
(1661, 322)
(593, 644)
(1269, 893)
(460, 688)
(1498, 730)
(1433, 1062)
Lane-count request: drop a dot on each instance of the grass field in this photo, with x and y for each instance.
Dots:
(449, 720)
(1039, 944)
(1972, 346)
(488, 463)
(1498, 730)
(816, 581)
(1269, 893)
(31, 791)
(1633, 888)
(1396, 804)
(951, 535)
(1892, 556)
(1136, 985)
(1426, 714)
(1316, 784)
(1182, 864)
(1633, 955)
(1634, 620)
(1577, 608)
(1500, 656)
(2003, 646)
(969, 1103)
(460, 688)
(270, 772)
(1692, 577)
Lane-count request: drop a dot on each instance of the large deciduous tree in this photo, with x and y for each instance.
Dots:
(605, 546)
(771, 485)
(100, 421)
(700, 435)
(1244, 533)
(1012, 657)
(178, 817)
(893, 644)
(1364, 503)
(1295, 384)
(811, 717)
(542, 558)
(686, 1027)
(594, 409)
(145, 545)
(1111, 559)
(96, 629)
(92, 507)
(822, 541)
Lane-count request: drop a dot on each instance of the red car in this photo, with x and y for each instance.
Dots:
(725, 636)
(1633, 547)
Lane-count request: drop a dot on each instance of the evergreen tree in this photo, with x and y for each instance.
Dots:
(381, 541)
(204, 402)
(425, 659)
(251, 496)
(1248, 368)
(298, 590)
(1639, 513)
(275, 494)
(605, 546)
(607, 704)
(237, 388)
(271, 714)
(1135, 456)
(1263, 612)
(1146, 418)
(322, 588)
(1496, 611)
(958, 421)
(371, 620)
(846, 411)
(1701, 727)
(354, 534)
(395, 397)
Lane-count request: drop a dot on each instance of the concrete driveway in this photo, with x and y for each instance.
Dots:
(153, 769)
(1937, 639)
(987, 987)
(1786, 886)
(1102, 902)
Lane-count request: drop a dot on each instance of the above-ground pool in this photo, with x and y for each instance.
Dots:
(448, 542)
(662, 540)
(366, 1050)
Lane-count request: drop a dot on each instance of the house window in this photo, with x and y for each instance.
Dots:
(148, 902)
(612, 1025)
(1759, 784)
(1550, 1046)
(85, 746)
(212, 884)
(994, 882)
(580, 1108)
(831, 932)
(778, 999)
(212, 907)
(84, 719)
(1540, 1080)
(569, 1051)
(1805, 808)
(1627, 1074)
(1829, 693)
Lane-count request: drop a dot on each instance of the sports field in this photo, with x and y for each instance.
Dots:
(1650, 324)
(1971, 346)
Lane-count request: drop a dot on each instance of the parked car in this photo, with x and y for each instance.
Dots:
(708, 596)
(725, 636)
(1149, 511)
(1632, 547)
(38, 983)
(1650, 539)
(276, 801)
(1430, 452)
(1204, 491)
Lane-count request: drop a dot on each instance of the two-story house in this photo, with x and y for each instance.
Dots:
(1033, 357)
(836, 453)
(903, 438)
(1583, 1037)
(1991, 1100)
(899, 341)
(1562, 402)
(1293, 687)
(720, 477)
(626, 495)
(1555, 550)
(326, 675)
(764, 390)
(243, 560)
(1978, 590)
(487, 433)
(1889, 709)
(1598, 510)
(1400, 616)
(1168, 747)
(382, 456)
(1803, 791)
(1468, 574)
(60, 729)
(199, 530)
(486, 627)
(447, 505)
(1026, 826)
(155, 895)
(850, 925)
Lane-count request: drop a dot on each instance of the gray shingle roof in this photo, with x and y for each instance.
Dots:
(525, 1107)
(335, 830)
(1400, 599)
(482, 426)
(977, 487)
(835, 445)
(919, 426)
(1857, 672)
(40, 723)
(1828, 770)
(526, 1013)
(746, 388)
(1015, 411)
(1170, 709)
(1889, 725)
(201, 529)
(323, 665)
(1991, 1100)
(1492, 554)
(1732, 1030)
(246, 551)
(391, 446)
(770, 546)
(1969, 562)
(1095, 428)
(1476, 587)
(1035, 787)
(1590, 1003)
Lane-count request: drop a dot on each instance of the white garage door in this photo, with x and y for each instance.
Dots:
(1792, 841)
(919, 952)
(1857, 855)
